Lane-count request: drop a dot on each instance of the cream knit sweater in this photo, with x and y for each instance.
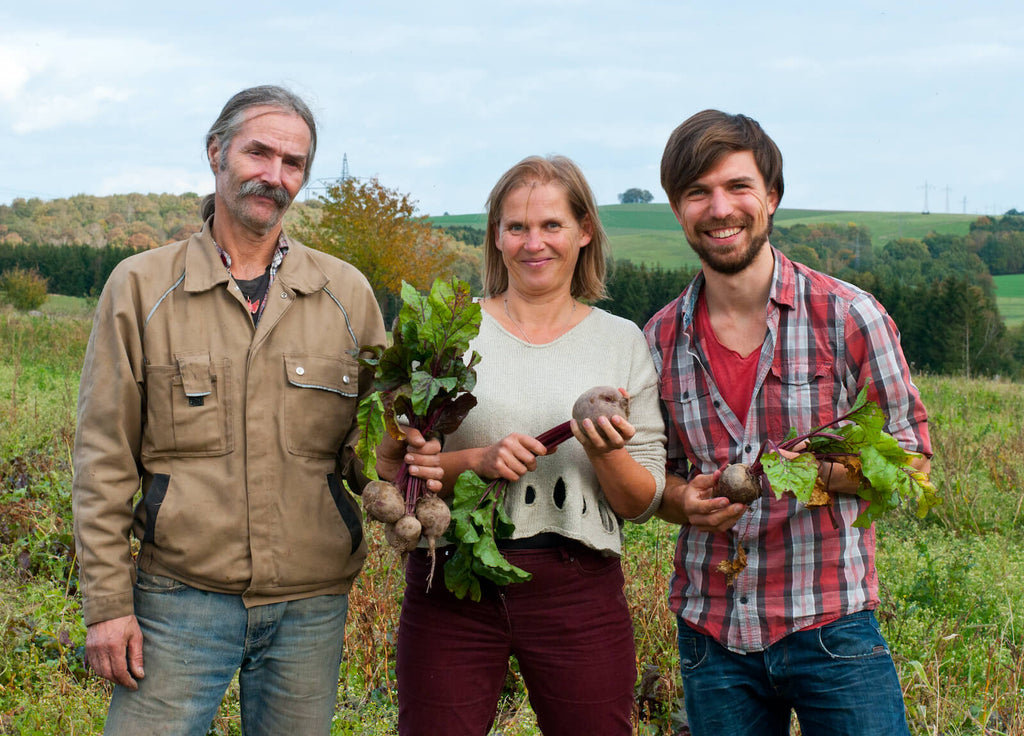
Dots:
(531, 388)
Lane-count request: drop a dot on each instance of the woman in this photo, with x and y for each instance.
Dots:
(541, 346)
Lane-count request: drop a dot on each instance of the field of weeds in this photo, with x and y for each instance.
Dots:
(952, 584)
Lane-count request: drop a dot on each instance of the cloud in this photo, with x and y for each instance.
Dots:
(51, 79)
(156, 179)
(14, 72)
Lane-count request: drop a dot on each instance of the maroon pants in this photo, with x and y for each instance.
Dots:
(568, 627)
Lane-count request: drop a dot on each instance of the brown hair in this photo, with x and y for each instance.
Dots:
(591, 267)
(701, 141)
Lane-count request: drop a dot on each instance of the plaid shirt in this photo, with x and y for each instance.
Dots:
(256, 309)
(826, 339)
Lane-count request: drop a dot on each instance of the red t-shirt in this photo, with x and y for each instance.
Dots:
(734, 374)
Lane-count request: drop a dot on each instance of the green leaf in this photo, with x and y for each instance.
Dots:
(427, 388)
(459, 577)
(476, 505)
(888, 478)
(456, 317)
(796, 476)
(370, 415)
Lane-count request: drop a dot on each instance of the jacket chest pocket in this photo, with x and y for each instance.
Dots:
(188, 407)
(319, 402)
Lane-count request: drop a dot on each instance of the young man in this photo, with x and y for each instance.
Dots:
(754, 346)
(220, 379)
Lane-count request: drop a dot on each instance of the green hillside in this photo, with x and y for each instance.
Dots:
(1010, 298)
(649, 233)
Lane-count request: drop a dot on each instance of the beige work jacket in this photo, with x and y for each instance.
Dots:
(239, 437)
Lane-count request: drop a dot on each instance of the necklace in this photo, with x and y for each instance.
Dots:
(520, 327)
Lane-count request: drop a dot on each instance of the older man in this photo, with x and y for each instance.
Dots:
(221, 380)
(756, 345)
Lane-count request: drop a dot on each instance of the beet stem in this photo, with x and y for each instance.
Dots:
(555, 436)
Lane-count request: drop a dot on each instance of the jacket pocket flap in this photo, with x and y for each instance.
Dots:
(196, 374)
(339, 375)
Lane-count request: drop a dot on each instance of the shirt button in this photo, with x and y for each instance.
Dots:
(717, 404)
(743, 599)
(747, 449)
(300, 370)
(344, 379)
(284, 295)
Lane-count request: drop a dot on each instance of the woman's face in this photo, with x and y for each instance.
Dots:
(540, 238)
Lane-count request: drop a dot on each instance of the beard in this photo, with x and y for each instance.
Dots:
(733, 261)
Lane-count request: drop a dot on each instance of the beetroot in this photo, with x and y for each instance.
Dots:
(739, 484)
(383, 501)
(404, 534)
(600, 401)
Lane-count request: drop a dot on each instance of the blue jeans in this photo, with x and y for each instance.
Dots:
(839, 678)
(287, 656)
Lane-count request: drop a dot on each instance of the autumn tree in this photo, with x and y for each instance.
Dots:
(375, 229)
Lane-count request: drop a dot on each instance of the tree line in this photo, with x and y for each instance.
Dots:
(376, 229)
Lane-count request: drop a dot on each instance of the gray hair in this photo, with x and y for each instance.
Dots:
(231, 118)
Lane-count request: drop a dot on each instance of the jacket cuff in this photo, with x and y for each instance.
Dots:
(104, 608)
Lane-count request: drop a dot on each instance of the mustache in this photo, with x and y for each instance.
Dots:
(726, 223)
(254, 188)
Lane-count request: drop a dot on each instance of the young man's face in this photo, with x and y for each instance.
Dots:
(725, 213)
(263, 169)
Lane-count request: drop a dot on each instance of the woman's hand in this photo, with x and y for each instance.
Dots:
(606, 436)
(423, 457)
(510, 458)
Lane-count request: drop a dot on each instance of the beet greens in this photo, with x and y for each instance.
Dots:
(479, 517)
(871, 457)
(422, 376)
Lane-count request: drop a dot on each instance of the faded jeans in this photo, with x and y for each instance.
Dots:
(287, 656)
(839, 678)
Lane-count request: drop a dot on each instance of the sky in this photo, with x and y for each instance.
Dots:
(890, 106)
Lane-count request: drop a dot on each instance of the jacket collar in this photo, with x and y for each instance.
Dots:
(204, 269)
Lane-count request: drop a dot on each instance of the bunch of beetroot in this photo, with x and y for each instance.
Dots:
(423, 379)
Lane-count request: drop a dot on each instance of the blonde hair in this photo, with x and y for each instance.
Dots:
(591, 267)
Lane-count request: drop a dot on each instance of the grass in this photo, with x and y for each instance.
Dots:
(952, 584)
(649, 233)
(1010, 298)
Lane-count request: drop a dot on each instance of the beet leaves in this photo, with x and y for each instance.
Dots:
(479, 519)
(871, 457)
(423, 378)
